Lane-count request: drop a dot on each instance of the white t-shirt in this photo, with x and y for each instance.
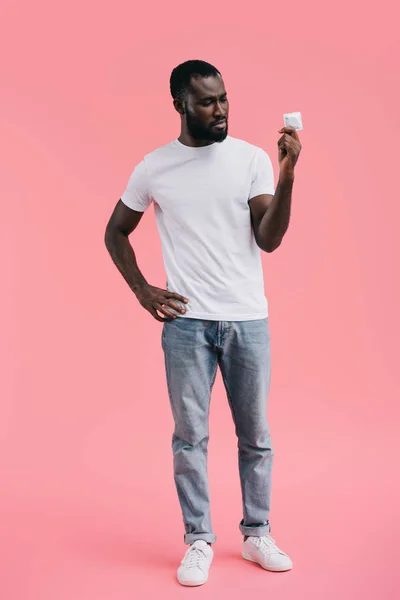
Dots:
(201, 201)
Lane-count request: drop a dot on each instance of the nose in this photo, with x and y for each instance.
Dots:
(219, 111)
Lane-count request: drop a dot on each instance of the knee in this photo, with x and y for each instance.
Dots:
(256, 442)
(189, 441)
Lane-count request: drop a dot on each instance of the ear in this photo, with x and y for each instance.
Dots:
(179, 106)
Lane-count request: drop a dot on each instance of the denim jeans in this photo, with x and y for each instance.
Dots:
(193, 350)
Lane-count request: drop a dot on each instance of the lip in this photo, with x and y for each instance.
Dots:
(221, 125)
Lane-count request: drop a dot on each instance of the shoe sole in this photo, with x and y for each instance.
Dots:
(192, 583)
(274, 569)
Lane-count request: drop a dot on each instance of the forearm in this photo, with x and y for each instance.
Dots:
(275, 220)
(123, 255)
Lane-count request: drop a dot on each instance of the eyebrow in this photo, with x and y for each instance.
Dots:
(212, 97)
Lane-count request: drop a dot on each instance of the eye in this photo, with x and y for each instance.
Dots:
(209, 102)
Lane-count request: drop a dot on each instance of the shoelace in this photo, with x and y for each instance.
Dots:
(266, 544)
(194, 558)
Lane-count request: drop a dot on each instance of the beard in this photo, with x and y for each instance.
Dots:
(201, 133)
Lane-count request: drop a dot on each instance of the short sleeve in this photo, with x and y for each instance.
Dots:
(137, 193)
(262, 175)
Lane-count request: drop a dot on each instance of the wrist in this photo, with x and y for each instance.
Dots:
(286, 176)
(140, 288)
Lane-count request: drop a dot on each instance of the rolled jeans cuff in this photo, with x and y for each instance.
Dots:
(190, 538)
(256, 531)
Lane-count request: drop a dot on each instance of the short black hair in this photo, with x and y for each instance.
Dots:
(181, 76)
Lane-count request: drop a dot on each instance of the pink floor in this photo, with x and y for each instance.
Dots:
(90, 521)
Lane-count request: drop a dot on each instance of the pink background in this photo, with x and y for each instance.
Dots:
(87, 502)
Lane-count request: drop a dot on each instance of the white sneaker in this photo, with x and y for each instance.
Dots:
(264, 551)
(194, 567)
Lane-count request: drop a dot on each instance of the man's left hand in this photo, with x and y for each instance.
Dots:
(289, 149)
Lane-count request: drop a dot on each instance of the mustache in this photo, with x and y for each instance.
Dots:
(218, 122)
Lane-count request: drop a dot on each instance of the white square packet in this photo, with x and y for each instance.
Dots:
(293, 120)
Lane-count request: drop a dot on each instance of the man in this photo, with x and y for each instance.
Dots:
(215, 207)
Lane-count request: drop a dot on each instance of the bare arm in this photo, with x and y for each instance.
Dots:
(122, 223)
(270, 215)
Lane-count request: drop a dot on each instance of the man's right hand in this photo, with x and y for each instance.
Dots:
(155, 299)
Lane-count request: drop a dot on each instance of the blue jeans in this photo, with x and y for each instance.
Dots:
(193, 350)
